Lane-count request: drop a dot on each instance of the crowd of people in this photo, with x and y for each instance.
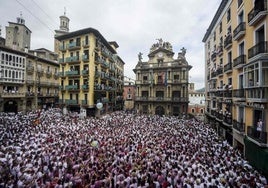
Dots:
(49, 149)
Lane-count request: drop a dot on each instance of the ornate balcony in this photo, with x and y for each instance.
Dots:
(240, 61)
(239, 31)
(257, 13)
(259, 49)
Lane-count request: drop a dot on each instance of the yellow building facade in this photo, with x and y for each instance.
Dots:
(236, 68)
(91, 72)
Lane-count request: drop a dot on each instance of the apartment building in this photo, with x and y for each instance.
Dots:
(91, 72)
(162, 81)
(236, 68)
(28, 78)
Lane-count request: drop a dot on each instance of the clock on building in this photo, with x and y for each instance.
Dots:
(160, 54)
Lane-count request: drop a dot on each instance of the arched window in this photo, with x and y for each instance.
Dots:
(193, 111)
(202, 111)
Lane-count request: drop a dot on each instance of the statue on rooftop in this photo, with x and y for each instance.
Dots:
(140, 56)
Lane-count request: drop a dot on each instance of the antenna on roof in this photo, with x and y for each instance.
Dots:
(64, 11)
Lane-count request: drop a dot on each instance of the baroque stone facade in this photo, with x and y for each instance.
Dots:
(162, 81)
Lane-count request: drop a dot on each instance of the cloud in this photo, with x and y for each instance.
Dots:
(134, 24)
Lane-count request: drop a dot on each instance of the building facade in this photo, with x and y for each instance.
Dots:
(91, 72)
(129, 94)
(162, 81)
(196, 105)
(236, 61)
(28, 78)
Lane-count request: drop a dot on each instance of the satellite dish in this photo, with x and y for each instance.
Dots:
(99, 105)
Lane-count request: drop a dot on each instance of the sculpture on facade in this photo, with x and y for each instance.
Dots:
(161, 44)
(140, 56)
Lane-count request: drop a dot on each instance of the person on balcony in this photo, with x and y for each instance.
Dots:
(259, 127)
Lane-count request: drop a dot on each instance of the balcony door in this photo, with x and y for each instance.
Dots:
(240, 115)
(260, 35)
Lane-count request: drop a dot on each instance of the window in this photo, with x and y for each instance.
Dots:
(239, 2)
(229, 30)
(241, 48)
(241, 17)
(214, 35)
(192, 110)
(176, 77)
(228, 15)
(230, 81)
(128, 96)
(145, 78)
(220, 27)
(86, 40)
(229, 57)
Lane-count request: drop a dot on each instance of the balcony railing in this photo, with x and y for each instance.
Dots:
(240, 127)
(257, 13)
(228, 67)
(259, 48)
(220, 50)
(213, 56)
(73, 45)
(84, 102)
(71, 102)
(239, 93)
(85, 58)
(228, 41)
(173, 99)
(219, 115)
(239, 31)
(72, 59)
(71, 87)
(85, 87)
(240, 61)
(258, 136)
(72, 73)
(84, 72)
(219, 71)
(12, 94)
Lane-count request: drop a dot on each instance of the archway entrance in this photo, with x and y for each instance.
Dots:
(159, 110)
(11, 106)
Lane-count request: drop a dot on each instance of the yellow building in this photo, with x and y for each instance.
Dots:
(162, 81)
(91, 72)
(236, 61)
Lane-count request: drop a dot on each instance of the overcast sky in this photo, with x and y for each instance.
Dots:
(133, 24)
